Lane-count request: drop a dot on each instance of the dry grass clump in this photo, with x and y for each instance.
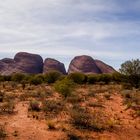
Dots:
(2, 132)
(7, 107)
(52, 107)
(95, 104)
(83, 119)
(132, 100)
(35, 105)
(51, 125)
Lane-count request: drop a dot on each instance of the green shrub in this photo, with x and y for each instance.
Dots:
(18, 77)
(117, 77)
(92, 78)
(131, 69)
(36, 80)
(2, 78)
(106, 78)
(52, 77)
(134, 80)
(78, 78)
(7, 77)
(64, 87)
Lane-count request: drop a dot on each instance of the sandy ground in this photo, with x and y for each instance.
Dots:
(22, 127)
(27, 128)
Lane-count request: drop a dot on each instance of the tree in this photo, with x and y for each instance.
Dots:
(132, 70)
(131, 67)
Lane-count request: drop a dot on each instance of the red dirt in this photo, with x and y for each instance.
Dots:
(27, 128)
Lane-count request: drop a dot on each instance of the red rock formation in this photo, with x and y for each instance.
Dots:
(53, 65)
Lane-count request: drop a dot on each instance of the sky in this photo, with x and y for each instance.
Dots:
(108, 30)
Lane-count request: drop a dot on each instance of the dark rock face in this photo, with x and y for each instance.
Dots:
(6, 68)
(2, 66)
(29, 63)
(104, 67)
(22, 63)
(7, 60)
(53, 65)
(33, 64)
(84, 64)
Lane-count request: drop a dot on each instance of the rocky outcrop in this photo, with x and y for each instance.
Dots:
(22, 63)
(84, 64)
(53, 65)
(29, 63)
(2, 66)
(8, 60)
(33, 64)
(104, 67)
(7, 66)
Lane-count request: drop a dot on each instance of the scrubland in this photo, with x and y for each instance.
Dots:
(74, 107)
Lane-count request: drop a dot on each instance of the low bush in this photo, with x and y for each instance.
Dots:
(2, 78)
(51, 125)
(92, 79)
(36, 80)
(7, 108)
(117, 77)
(18, 77)
(131, 99)
(52, 106)
(1, 96)
(2, 132)
(84, 120)
(35, 106)
(52, 77)
(78, 78)
(64, 87)
(106, 78)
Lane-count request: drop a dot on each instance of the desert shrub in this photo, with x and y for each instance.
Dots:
(1, 96)
(82, 119)
(52, 77)
(2, 132)
(73, 136)
(64, 87)
(2, 78)
(52, 106)
(5, 78)
(18, 77)
(106, 78)
(92, 78)
(95, 104)
(107, 96)
(78, 78)
(74, 99)
(126, 86)
(51, 125)
(35, 105)
(134, 80)
(131, 99)
(37, 94)
(132, 70)
(117, 77)
(36, 80)
(7, 107)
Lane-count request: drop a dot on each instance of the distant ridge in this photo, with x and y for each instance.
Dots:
(29, 63)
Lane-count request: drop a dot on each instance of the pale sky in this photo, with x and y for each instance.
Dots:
(108, 30)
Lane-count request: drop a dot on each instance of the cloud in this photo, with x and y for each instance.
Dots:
(108, 30)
